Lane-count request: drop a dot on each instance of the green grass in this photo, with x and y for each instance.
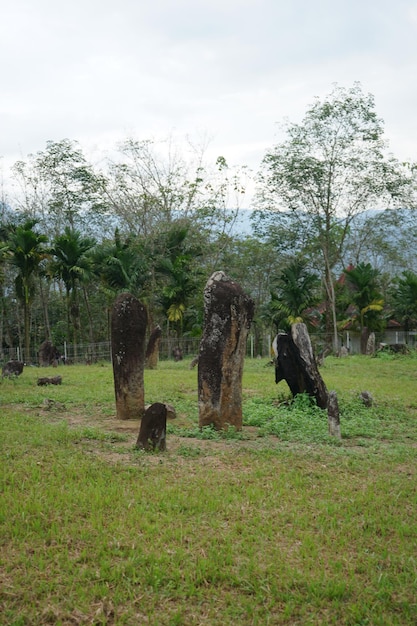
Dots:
(279, 524)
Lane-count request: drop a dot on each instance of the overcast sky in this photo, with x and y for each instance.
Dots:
(98, 71)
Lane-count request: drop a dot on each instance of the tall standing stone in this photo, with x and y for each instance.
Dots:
(295, 363)
(128, 328)
(228, 314)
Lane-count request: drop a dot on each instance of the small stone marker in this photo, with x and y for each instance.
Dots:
(152, 433)
(366, 398)
(128, 327)
(55, 380)
(333, 415)
(228, 314)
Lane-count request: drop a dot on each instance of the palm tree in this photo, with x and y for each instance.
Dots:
(176, 266)
(120, 265)
(27, 251)
(362, 282)
(73, 265)
(405, 300)
(294, 293)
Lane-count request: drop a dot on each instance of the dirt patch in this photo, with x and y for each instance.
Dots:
(117, 450)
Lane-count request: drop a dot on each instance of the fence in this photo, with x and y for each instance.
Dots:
(189, 347)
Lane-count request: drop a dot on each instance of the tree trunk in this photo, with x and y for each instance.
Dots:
(45, 311)
(152, 349)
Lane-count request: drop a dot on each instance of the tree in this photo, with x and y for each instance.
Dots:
(176, 265)
(365, 296)
(27, 251)
(72, 264)
(61, 188)
(328, 169)
(293, 292)
(404, 300)
(154, 183)
(121, 264)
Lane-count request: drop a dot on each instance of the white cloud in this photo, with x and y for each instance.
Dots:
(96, 71)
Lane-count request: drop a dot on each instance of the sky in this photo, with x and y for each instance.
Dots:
(223, 72)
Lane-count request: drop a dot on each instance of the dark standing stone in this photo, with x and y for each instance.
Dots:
(128, 327)
(295, 363)
(177, 354)
(152, 349)
(48, 354)
(152, 433)
(12, 368)
(333, 415)
(228, 314)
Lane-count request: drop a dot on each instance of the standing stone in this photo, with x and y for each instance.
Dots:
(12, 368)
(128, 327)
(228, 314)
(295, 363)
(152, 349)
(48, 354)
(370, 345)
(152, 433)
(333, 415)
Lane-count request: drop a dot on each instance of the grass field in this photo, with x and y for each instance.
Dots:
(278, 524)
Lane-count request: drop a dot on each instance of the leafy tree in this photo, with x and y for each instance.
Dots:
(27, 251)
(328, 169)
(153, 184)
(61, 188)
(73, 265)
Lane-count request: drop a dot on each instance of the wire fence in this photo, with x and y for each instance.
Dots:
(188, 347)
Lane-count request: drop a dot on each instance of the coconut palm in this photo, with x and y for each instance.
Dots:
(365, 295)
(405, 300)
(27, 250)
(294, 292)
(73, 265)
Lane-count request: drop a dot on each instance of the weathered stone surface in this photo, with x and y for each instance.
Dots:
(295, 363)
(228, 314)
(370, 345)
(55, 380)
(128, 328)
(171, 412)
(152, 433)
(48, 354)
(333, 415)
(177, 354)
(366, 398)
(152, 349)
(12, 368)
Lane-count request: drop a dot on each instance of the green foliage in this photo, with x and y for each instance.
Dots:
(363, 291)
(294, 292)
(404, 299)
